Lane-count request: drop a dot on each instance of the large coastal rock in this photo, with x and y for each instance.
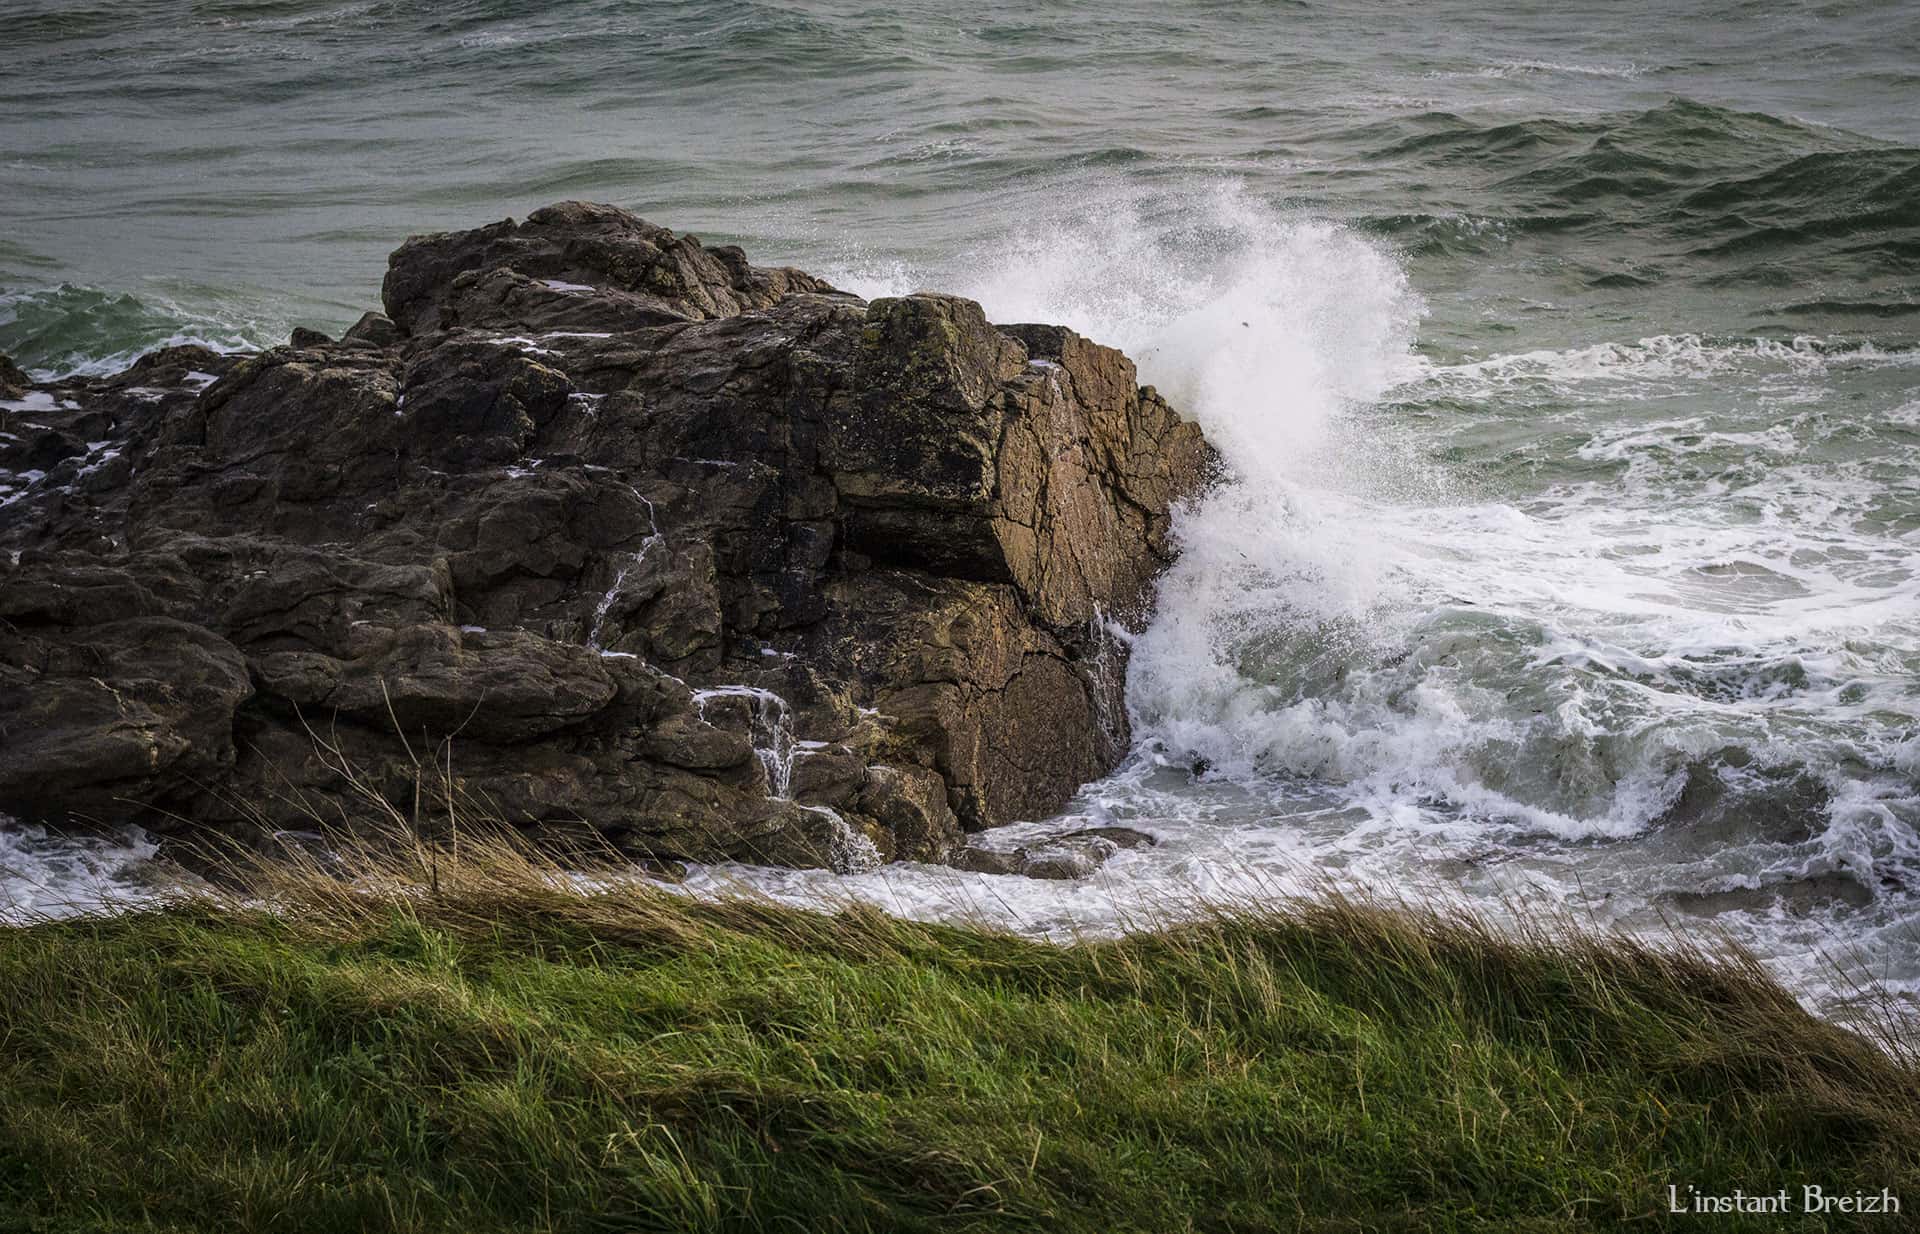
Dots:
(596, 527)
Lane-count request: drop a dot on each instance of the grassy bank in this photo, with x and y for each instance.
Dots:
(505, 1054)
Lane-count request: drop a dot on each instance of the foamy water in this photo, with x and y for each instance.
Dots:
(46, 875)
(1668, 685)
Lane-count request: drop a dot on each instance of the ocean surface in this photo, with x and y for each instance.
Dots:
(1566, 357)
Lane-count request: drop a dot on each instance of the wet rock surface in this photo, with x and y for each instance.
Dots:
(1070, 855)
(614, 530)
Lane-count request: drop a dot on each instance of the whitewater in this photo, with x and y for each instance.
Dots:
(1660, 697)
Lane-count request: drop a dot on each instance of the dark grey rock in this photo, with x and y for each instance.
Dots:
(372, 330)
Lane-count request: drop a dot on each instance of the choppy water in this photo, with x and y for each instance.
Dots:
(1568, 360)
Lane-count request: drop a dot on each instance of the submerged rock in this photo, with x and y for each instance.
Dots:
(1070, 855)
(596, 527)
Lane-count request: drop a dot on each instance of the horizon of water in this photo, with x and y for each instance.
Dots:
(1567, 366)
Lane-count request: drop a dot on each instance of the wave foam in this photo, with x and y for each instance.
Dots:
(44, 875)
(1665, 358)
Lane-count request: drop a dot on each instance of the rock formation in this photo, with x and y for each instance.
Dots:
(602, 528)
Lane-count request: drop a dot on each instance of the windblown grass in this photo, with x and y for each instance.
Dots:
(409, 1041)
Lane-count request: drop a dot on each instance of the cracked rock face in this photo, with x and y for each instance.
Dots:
(710, 559)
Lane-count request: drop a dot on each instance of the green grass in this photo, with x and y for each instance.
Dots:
(504, 1053)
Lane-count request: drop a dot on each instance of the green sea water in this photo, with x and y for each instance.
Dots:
(1567, 358)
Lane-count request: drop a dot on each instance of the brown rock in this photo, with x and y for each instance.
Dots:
(1070, 855)
(598, 528)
